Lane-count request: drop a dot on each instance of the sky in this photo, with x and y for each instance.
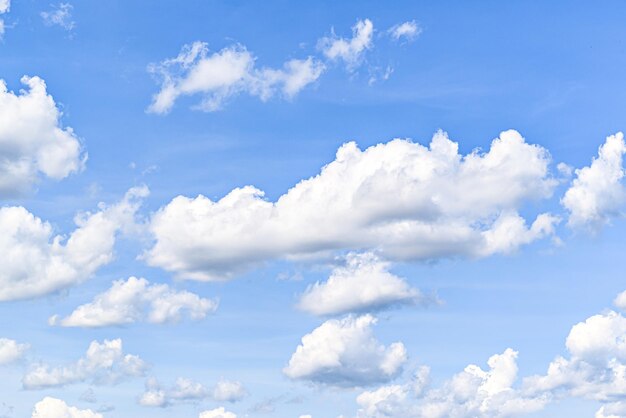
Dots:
(227, 209)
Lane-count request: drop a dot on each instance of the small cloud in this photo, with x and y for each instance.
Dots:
(407, 30)
(59, 15)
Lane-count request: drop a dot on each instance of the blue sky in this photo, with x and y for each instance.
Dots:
(139, 276)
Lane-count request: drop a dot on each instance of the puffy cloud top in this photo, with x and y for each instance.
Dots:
(55, 408)
(135, 300)
(53, 262)
(11, 350)
(346, 353)
(32, 140)
(597, 192)
(103, 363)
(364, 283)
(401, 199)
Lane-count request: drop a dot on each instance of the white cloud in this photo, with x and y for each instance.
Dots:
(32, 140)
(472, 393)
(11, 350)
(350, 51)
(5, 6)
(407, 30)
(185, 390)
(136, 300)
(103, 363)
(229, 391)
(217, 413)
(400, 199)
(60, 15)
(224, 74)
(56, 408)
(363, 284)
(597, 193)
(596, 367)
(345, 353)
(55, 262)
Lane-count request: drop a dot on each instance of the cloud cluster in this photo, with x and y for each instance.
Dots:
(403, 200)
(185, 390)
(221, 75)
(134, 300)
(103, 363)
(472, 393)
(344, 352)
(224, 74)
(597, 192)
(55, 408)
(32, 140)
(363, 284)
(11, 351)
(55, 262)
(594, 369)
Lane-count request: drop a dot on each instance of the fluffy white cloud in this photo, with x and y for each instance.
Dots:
(350, 50)
(596, 367)
(217, 413)
(407, 30)
(221, 75)
(136, 300)
(364, 283)
(32, 140)
(54, 262)
(11, 350)
(400, 199)
(188, 390)
(103, 363)
(59, 15)
(345, 353)
(597, 193)
(55, 408)
(470, 394)
(229, 391)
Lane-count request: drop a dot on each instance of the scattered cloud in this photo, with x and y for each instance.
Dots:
(135, 300)
(59, 15)
(363, 284)
(5, 6)
(225, 74)
(103, 363)
(597, 193)
(32, 139)
(408, 31)
(400, 199)
(55, 408)
(344, 352)
(53, 262)
(349, 50)
(594, 369)
(11, 351)
(186, 390)
(472, 393)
